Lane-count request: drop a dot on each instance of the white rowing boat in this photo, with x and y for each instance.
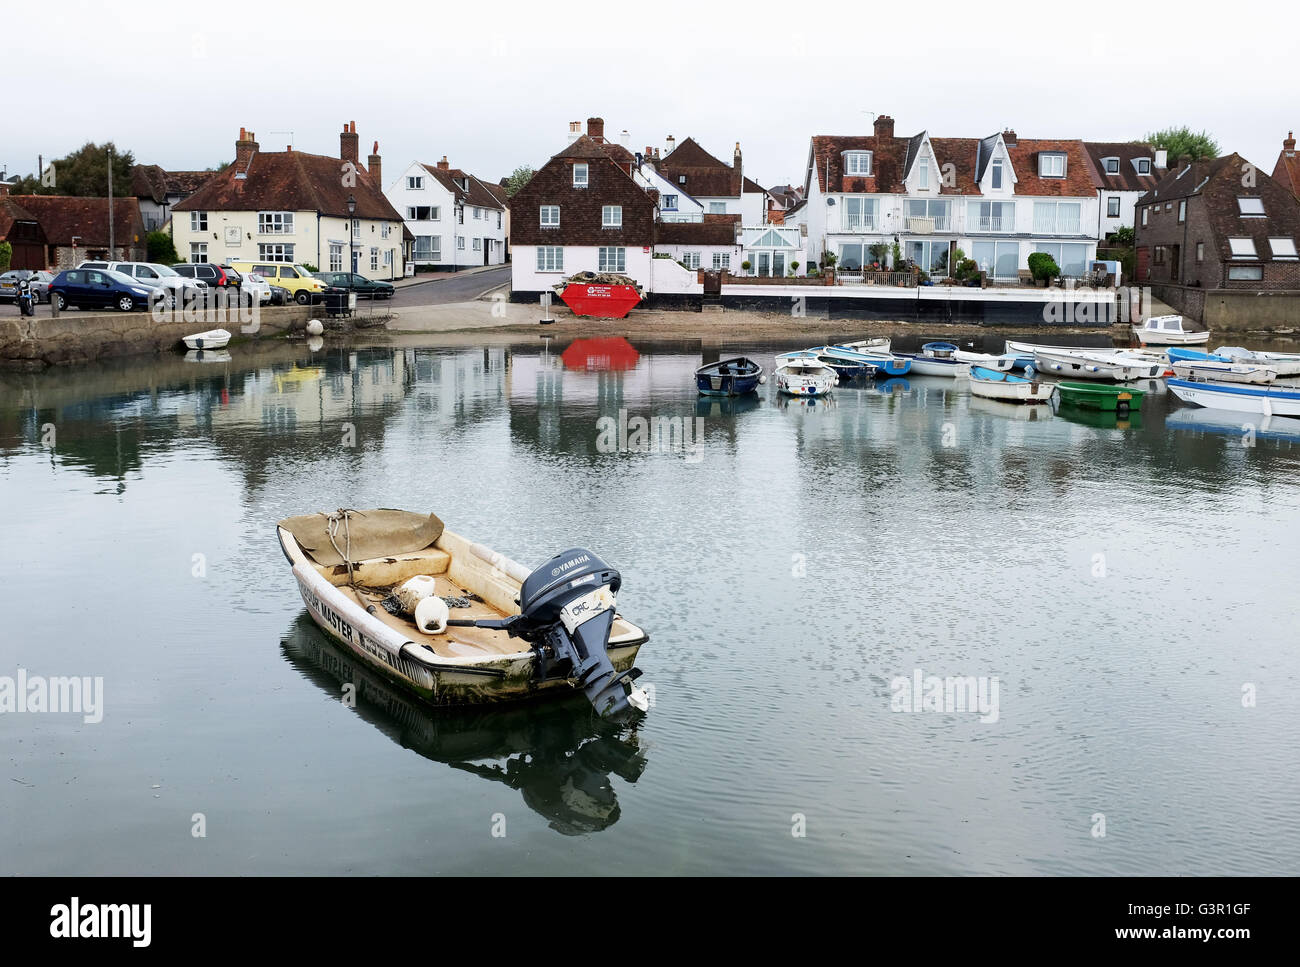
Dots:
(994, 385)
(212, 339)
(804, 375)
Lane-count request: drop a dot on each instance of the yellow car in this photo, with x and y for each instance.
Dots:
(301, 284)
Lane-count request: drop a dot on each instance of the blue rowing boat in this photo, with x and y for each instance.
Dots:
(729, 377)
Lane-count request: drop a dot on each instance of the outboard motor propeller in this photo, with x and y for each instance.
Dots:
(566, 612)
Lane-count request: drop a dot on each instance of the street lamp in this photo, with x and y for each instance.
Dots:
(352, 255)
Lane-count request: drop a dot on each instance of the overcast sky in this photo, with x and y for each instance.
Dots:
(494, 85)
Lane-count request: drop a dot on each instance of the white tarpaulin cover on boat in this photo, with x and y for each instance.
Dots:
(362, 534)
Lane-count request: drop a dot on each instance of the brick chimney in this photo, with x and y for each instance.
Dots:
(596, 128)
(1009, 137)
(349, 143)
(884, 126)
(245, 148)
(1288, 143)
(442, 165)
(375, 165)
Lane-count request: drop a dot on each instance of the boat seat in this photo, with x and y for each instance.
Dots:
(382, 572)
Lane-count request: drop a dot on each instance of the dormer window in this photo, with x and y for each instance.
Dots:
(1111, 165)
(1051, 165)
(580, 176)
(1251, 207)
(857, 163)
(995, 178)
(1144, 166)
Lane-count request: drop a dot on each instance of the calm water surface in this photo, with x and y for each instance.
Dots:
(1123, 584)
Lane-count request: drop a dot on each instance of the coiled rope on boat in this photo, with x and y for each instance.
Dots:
(332, 528)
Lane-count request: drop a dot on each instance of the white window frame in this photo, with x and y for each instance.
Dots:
(336, 257)
(1287, 246)
(431, 254)
(1144, 166)
(611, 216)
(478, 245)
(1047, 163)
(611, 259)
(691, 260)
(281, 253)
(1110, 165)
(549, 216)
(274, 223)
(1182, 210)
(923, 174)
(374, 259)
(198, 221)
(721, 261)
(857, 163)
(581, 175)
(996, 175)
(478, 213)
(669, 203)
(1113, 202)
(198, 251)
(1242, 248)
(460, 243)
(415, 182)
(1145, 211)
(550, 258)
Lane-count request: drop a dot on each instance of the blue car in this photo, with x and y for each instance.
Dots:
(98, 289)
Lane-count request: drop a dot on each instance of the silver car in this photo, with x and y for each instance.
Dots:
(40, 284)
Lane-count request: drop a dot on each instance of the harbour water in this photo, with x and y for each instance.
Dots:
(1121, 594)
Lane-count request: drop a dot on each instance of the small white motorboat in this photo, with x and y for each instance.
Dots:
(456, 623)
(1224, 372)
(804, 375)
(1268, 400)
(1284, 364)
(1169, 331)
(999, 364)
(994, 385)
(212, 339)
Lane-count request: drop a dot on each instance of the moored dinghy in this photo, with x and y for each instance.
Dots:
(885, 362)
(457, 624)
(1169, 331)
(1268, 400)
(1095, 396)
(1284, 364)
(804, 375)
(936, 359)
(1000, 385)
(1000, 364)
(729, 377)
(212, 339)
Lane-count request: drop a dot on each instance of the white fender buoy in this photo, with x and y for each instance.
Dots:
(315, 327)
(431, 616)
(415, 590)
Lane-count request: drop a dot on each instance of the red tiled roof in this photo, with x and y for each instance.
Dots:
(892, 158)
(10, 212)
(62, 217)
(1127, 179)
(151, 181)
(293, 181)
(476, 194)
(705, 176)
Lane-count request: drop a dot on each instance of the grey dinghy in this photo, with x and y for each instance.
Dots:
(442, 616)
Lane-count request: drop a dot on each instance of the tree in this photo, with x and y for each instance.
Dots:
(1181, 141)
(161, 249)
(83, 173)
(6, 255)
(518, 178)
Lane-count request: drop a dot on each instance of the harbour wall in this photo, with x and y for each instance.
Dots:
(1228, 310)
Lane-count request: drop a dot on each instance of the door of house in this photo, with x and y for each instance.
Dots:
(1175, 261)
(355, 258)
(487, 251)
(1144, 263)
(763, 263)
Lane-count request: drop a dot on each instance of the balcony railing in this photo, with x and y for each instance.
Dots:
(992, 223)
(928, 225)
(1057, 226)
(860, 224)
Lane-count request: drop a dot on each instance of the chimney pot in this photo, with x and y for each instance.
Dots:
(375, 165)
(245, 148)
(1009, 136)
(596, 128)
(442, 165)
(1288, 143)
(349, 146)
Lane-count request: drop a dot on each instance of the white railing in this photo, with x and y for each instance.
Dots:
(993, 223)
(860, 224)
(1061, 225)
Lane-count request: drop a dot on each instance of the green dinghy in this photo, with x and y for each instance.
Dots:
(1098, 396)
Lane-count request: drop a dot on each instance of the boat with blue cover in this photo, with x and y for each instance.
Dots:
(729, 377)
(886, 363)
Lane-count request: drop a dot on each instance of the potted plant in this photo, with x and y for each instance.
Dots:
(828, 266)
(744, 266)
(1043, 268)
(794, 268)
(896, 255)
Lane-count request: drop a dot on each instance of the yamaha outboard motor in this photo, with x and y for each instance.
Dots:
(566, 612)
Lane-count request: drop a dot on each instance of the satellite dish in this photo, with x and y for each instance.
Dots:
(830, 202)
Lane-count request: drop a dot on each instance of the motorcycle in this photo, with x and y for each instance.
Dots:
(26, 297)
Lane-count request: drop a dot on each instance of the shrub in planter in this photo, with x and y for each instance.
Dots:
(744, 265)
(794, 267)
(896, 254)
(1043, 267)
(966, 269)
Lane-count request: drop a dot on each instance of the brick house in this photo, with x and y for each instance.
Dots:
(1219, 224)
(70, 229)
(582, 211)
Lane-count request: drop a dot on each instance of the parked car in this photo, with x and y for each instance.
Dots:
(155, 276)
(98, 289)
(355, 282)
(280, 296)
(258, 287)
(215, 276)
(306, 288)
(40, 284)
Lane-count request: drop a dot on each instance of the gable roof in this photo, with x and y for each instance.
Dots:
(1127, 179)
(63, 217)
(1287, 170)
(476, 193)
(292, 181)
(156, 183)
(892, 159)
(1217, 184)
(10, 212)
(705, 176)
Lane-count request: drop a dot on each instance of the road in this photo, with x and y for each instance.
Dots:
(452, 287)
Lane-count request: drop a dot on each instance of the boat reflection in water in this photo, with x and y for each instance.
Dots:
(714, 407)
(896, 385)
(1243, 426)
(785, 402)
(558, 754)
(1010, 411)
(1102, 419)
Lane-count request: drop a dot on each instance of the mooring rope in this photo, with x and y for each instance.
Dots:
(332, 528)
